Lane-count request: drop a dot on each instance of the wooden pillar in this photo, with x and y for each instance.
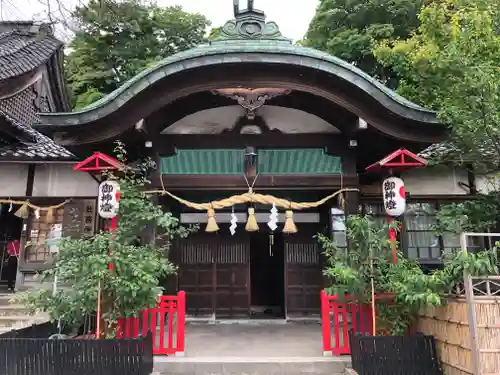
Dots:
(349, 169)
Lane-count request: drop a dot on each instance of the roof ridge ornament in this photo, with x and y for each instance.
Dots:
(249, 24)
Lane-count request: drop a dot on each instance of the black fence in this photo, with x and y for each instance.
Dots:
(394, 355)
(28, 356)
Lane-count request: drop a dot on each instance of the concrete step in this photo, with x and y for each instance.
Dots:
(13, 309)
(18, 321)
(251, 365)
(6, 299)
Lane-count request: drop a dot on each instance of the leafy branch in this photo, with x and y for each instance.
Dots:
(411, 289)
(81, 264)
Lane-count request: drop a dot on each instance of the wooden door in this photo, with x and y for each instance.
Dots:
(303, 276)
(196, 274)
(232, 277)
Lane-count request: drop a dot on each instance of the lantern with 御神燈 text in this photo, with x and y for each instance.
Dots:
(393, 190)
(108, 200)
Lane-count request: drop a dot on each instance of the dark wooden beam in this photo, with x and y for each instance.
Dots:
(264, 182)
(336, 144)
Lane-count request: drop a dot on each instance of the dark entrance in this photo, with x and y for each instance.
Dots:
(267, 270)
(10, 230)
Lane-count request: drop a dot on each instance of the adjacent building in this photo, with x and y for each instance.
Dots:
(32, 165)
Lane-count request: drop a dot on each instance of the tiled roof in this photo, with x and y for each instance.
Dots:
(42, 146)
(25, 46)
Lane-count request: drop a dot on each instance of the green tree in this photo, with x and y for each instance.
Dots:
(81, 265)
(349, 29)
(451, 64)
(370, 256)
(117, 39)
(215, 33)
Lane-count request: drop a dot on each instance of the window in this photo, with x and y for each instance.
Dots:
(421, 241)
(417, 239)
(338, 220)
(338, 227)
(74, 219)
(376, 211)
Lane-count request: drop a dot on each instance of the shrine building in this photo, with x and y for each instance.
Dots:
(249, 109)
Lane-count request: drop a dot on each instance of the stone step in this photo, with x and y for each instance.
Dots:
(21, 320)
(6, 299)
(13, 309)
(251, 365)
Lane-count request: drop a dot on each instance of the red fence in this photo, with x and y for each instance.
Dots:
(166, 321)
(337, 318)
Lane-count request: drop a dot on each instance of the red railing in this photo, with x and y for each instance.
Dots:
(337, 318)
(166, 321)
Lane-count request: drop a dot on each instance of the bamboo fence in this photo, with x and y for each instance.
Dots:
(460, 330)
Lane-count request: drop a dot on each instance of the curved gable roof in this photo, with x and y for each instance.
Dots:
(246, 39)
(241, 51)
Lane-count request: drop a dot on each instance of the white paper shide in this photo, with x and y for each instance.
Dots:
(108, 201)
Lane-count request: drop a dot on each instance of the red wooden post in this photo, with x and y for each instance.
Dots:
(112, 228)
(181, 320)
(325, 324)
(392, 239)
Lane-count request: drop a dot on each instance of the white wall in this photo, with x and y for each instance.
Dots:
(13, 178)
(485, 184)
(59, 180)
(435, 181)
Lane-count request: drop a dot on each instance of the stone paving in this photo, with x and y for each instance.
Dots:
(254, 340)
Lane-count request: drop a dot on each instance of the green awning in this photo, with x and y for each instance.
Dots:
(198, 162)
(270, 161)
(298, 161)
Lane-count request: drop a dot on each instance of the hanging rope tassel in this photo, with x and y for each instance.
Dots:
(23, 212)
(341, 202)
(211, 223)
(341, 199)
(252, 225)
(290, 226)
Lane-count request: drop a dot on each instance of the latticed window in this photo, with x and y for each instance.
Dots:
(75, 219)
(376, 211)
(338, 220)
(421, 240)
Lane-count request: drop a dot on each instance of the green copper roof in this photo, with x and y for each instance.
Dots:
(246, 39)
(231, 162)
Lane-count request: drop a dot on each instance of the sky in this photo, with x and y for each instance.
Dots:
(292, 16)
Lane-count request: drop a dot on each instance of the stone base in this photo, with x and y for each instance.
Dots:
(251, 365)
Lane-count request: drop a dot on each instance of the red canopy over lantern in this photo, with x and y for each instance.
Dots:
(398, 161)
(97, 163)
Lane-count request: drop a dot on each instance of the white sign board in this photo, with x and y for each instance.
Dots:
(108, 200)
(54, 237)
(393, 189)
